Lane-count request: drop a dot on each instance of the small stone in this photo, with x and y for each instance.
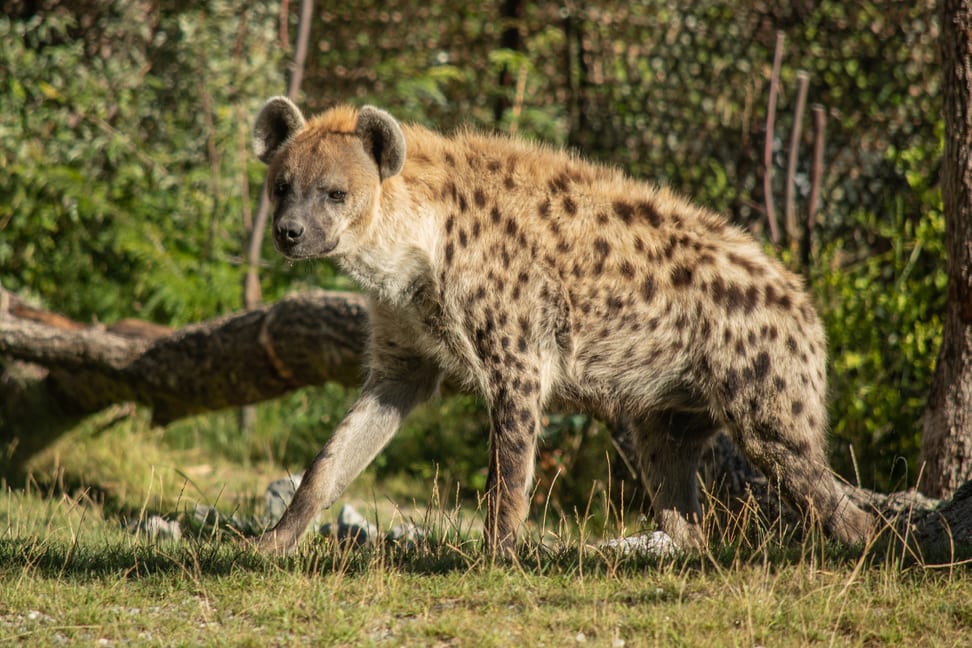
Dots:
(351, 527)
(658, 544)
(407, 534)
(156, 528)
(279, 494)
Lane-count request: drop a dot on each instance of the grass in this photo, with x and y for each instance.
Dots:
(71, 574)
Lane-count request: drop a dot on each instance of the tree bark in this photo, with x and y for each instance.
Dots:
(947, 443)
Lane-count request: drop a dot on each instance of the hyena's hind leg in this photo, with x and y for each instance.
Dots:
(668, 446)
(791, 455)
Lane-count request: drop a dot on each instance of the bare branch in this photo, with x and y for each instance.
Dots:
(768, 148)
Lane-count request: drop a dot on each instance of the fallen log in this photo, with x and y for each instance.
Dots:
(60, 370)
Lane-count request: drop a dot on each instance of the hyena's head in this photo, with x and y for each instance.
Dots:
(325, 175)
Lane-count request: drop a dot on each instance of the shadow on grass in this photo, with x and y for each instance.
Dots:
(195, 557)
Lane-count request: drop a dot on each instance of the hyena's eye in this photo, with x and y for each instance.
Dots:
(337, 195)
(281, 188)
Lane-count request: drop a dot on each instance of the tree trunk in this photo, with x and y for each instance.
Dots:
(947, 444)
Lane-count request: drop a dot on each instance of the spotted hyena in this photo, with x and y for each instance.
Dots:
(530, 275)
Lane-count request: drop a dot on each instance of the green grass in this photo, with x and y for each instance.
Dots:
(70, 574)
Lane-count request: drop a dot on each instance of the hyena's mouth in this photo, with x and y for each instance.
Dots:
(297, 250)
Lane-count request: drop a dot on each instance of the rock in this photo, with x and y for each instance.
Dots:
(156, 528)
(351, 527)
(406, 534)
(278, 496)
(657, 544)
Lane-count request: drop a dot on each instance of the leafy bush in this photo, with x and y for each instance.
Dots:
(883, 301)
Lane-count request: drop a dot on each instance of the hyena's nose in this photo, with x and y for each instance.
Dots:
(290, 231)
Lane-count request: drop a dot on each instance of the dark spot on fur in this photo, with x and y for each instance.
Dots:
(602, 218)
(494, 165)
(734, 298)
(494, 215)
(559, 183)
(639, 244)
(450, 223)
(648, 289)
(627, 270)
(449, 159)
(602, 247)
(731, 385)
(463, 239)
(544, 208)
(479, 198)
(449, 250)
(796, 408)
(681, 276)
(751, 299)
(570, 207)
(463, 205)
(648, 212)
(669, 249)
(779, 383)
(761, 366)
(718, 290)
(791, 344)
(624, 211)
(509, 182)
(476, 230)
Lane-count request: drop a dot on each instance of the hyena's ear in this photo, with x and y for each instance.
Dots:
(278, 121)
(383, 137)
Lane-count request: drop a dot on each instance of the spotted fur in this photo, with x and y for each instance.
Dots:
(530, 275)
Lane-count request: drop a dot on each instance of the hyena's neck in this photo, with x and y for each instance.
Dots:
(394, 257)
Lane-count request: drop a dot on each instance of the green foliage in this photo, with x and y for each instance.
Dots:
(883, 301)
(124, 169)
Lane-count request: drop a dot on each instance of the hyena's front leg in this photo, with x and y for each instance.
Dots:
(385, 400)
(515, 419)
